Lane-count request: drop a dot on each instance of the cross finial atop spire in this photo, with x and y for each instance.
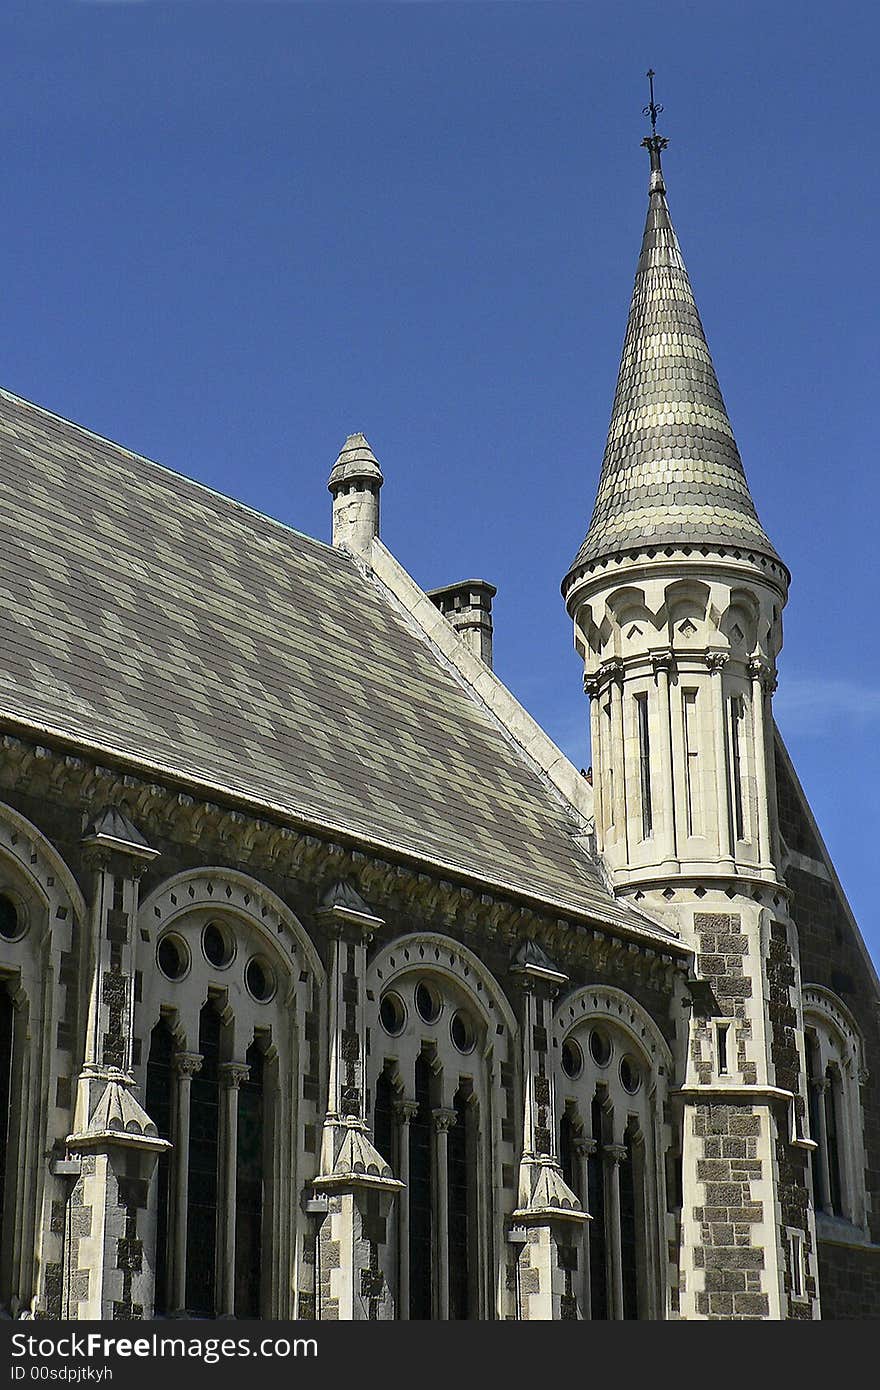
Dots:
(654, 143)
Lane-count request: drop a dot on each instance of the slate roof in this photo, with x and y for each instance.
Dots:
(671, 473)
(145, 616)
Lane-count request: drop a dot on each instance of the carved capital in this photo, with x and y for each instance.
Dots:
(443, 1119)
(763, 674)
(614, 1153)
(584, 1147)
(406, 1110)
(611, 670)
(716, 662)
(232, 1074)
(187, 1063)
(592, 685)
(662, 661)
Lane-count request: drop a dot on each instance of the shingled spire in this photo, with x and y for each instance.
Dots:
(671, 474)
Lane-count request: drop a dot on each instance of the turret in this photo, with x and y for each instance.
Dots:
(354, 482)
(676, 596)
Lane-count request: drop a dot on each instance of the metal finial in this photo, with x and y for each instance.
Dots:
(653, 108)
(654, 143)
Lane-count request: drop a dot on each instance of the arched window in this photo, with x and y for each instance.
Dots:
(607, 1094)
(834, 1053)
(434, 1034)
(6, 1036)
(204, 1150)
(383, 1118)
(158, 1102)
(421, 1184)
(220, 1024)
(249, 1187)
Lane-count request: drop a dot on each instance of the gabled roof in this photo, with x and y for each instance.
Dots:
(146, 617)
(671, 473)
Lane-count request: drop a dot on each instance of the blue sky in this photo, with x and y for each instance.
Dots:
(233, 233)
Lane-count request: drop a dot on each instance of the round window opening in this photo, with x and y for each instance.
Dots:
(260, 979)
(172, 957)
(428, 1002)
(600, 1047)
(462, 1031)
(392, 1014)
(572, 1058)
(630, 1075)
(217, 945)
(11, 922)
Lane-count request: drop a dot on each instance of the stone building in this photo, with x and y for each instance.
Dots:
(330, 989)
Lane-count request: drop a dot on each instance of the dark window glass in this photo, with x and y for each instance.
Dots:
(567, 1155)
(172, 957)
(628, 1232)
(420, 1178)
(814, 1098)
(460, 1159)
(9, 924)
(6, 1038)
(428, 1002)
(645, 765)
(250, 1170)
(383, 1118)
(572, 1058)
(392, 1014)
(600, 1047)
(157, 1099)
(832, 1118)
(201, 1231)
(259, 980)
(462, 1031)
(215, 945)
(737, 715)
(598, 1247)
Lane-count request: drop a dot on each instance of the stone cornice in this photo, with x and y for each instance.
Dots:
(247, 838)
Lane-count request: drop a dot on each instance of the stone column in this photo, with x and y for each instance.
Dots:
(405, 1110)
(761, 681)
(547, 1208)
(186, 1064)
(716, 662)
(355, 1258)
(109, 1274)
(231, 1076)
(585, 1148)
(613, 1155)
(443, 1122)
(822, 1088)
(662, 663)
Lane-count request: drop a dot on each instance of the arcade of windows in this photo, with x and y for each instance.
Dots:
(834, 1072)
(214, 1216)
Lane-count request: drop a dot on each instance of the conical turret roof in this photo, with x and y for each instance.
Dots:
(671, 474)
(356, 460)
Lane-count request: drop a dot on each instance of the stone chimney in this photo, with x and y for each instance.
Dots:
(468, 607)
(355, 482)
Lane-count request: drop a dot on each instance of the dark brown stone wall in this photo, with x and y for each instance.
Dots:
(831, 955)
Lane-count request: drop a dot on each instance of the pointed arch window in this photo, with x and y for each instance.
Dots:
(249, 1188)
(421, 1182)
(204, 1153)
(158, 1101)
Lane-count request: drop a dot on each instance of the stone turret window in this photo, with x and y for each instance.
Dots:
(738, 766)
(692, 762)
(158, 1099)
(645, 765)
